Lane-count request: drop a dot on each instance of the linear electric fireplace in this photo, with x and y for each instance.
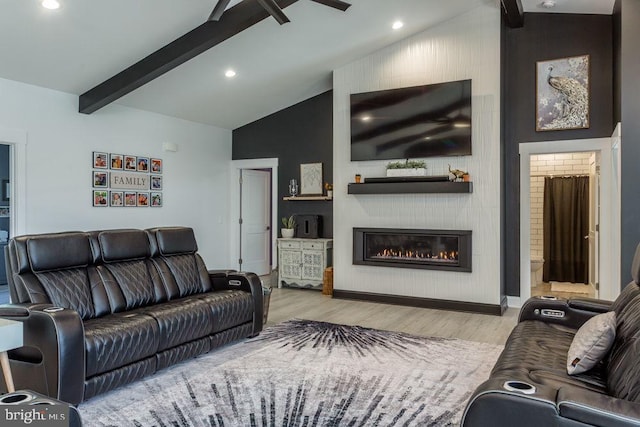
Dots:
(410, 248)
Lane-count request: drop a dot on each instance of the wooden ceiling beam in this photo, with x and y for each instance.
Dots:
(211, 33)
(512, 13)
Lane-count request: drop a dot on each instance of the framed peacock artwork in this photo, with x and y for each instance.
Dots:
(562, 94)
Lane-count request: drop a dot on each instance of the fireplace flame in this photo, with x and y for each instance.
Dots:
(410, 254)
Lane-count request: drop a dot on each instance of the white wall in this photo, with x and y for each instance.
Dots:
(59, 149)
(466, 47)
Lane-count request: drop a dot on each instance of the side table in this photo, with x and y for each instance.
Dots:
(10, 337)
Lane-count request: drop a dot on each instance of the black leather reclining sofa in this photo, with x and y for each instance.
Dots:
(529, 384)
(102, 309)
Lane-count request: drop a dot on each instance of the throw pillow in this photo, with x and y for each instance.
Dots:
(591, 343)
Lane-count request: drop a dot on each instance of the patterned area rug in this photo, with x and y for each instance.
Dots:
(306, 373)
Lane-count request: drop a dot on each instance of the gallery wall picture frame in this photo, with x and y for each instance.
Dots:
(116, 199)
(100, 179)
(156, 200)
(143, 164)
(156, 182)
(100, 160)
(156, 166)
(562, 93)
(130, 198)
(100, 198)
(310, 179)
(130, 163)
(143, 199)
(116, 161)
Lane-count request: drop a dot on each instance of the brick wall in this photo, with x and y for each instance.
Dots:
(556, 165)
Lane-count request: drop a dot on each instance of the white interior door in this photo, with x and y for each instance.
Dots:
(594, 220)
(255, 221)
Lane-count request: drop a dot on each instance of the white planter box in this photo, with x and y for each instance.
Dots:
(407, 172)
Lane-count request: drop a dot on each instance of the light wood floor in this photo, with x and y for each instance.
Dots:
(287, 303)
(544, 288)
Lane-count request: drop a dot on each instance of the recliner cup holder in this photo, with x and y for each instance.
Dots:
(549, 297)
(16, 398)
(520, 387)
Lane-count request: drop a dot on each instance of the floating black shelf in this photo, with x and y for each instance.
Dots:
(410, 187)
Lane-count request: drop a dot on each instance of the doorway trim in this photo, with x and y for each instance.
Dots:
(234, 205)
(17, 141)
(607, 235)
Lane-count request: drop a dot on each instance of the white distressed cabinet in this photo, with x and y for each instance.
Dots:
(301, 262)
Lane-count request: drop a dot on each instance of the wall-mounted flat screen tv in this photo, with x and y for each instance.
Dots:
(413, 122)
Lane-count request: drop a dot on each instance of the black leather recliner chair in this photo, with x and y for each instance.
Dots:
(105, 308)
(529, 384)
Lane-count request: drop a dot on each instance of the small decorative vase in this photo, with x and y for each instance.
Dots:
(287, 233)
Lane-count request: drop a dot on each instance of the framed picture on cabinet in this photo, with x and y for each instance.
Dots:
(310, 179)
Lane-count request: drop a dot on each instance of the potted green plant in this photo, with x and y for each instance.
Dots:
(407, 168)
(288, 223)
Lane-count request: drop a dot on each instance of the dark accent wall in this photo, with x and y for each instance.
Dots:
(4, 174)
(302, 133)
(627, 70)
(546, 36)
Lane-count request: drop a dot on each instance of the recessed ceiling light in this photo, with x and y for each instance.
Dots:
(230, 73)
(397, 25)
(50, 4)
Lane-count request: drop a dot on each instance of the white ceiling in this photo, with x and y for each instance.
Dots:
(86, 42)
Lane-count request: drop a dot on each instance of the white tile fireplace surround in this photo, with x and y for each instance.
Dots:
(466, 47)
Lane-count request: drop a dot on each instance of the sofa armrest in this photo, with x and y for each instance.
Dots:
(244, 281)
(558, 311)
(493, 405)
(591, 304)
(54, 341)
(590, 407)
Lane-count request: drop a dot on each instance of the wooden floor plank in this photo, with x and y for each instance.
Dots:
(307, 304)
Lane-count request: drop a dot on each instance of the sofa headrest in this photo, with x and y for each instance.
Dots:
(49, 252)
(174, 240)
(123, 245)
(635, 266)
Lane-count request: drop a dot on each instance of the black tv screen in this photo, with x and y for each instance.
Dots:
(413, 122)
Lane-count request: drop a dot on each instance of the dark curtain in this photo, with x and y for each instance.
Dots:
(566, 222)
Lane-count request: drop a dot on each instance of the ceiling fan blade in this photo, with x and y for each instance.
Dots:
(221, 6)
(337, 4)
(274, 10)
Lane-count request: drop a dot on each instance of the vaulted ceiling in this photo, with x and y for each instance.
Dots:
(84, 43)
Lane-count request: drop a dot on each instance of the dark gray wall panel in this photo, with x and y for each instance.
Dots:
(544, 37)
(302, 133)
(629, 46)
